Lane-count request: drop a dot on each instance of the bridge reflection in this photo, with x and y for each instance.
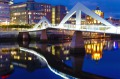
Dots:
(59, 53)
(62, 70)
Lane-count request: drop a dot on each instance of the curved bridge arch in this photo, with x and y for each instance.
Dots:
(78, 8)
(43, 20)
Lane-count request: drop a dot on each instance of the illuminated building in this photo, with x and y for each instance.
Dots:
(91, 21)
(58, 13)
(4, 12)
(7, 1)
(72, 19)
(29, 12)
(114, 21)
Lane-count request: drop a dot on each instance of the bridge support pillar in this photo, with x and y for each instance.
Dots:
(77, 62)
(23, 36)
(43, 36)
(77, 43)
(23, 39)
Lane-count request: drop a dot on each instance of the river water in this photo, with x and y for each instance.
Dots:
(35, 60)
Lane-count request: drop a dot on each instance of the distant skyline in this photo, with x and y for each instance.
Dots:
(109, 7)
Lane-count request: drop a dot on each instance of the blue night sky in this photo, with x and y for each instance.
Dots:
(110, 7)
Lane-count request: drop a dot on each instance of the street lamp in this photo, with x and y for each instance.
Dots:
(29, 17)
(110, 18)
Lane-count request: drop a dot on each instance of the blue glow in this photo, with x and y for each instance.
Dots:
(115, 45)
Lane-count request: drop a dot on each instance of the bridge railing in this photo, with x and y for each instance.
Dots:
(85, 27)
(94, 27)
(54, 25)
(12, 29)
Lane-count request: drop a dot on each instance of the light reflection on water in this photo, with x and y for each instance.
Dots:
(101, 56)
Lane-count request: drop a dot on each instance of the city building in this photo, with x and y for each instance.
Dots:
(91, 21)
(29, 12)
(7, 1)
(113, 21)
(58, 13)
(86, 19)
(5, 11)
(72, 20)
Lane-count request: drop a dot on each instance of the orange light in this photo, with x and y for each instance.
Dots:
(96, 56)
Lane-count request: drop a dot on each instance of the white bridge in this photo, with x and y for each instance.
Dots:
(78, 8)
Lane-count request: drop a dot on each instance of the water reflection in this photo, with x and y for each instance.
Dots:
(44, 60)
(60, 50)
(58, 57)
(11, 57)
(25, 60)
(5, 64)
(94, 47)
(112, 45)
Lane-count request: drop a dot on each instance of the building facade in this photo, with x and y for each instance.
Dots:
(91, 21)
(29, 12)
(58, 13)
(114, 21)
(5, 11)
(72, 19)
(10, 2)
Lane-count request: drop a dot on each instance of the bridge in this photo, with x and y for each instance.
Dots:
(106, 27)
(77, 40)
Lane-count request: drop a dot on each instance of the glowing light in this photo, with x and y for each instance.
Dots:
(18, 57)
(115, 45)
(98, 47)
(40, 56)
(53, 50)
(1, 56)
(13, 52)
(29, 58)
(94, 47)
(11, 66)
(67, 58)
(5, 76)
(96, 56)
(88, 48)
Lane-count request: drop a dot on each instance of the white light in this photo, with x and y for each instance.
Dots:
(40, 56)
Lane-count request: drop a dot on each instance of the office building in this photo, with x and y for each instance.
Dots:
(5, 12)
(7, 1)
(58, 13)
(91, 21)
(29, 12)
(114, 21)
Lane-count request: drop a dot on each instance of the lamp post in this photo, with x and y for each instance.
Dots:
(6, 24)
(29, 16)
(110, 18)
